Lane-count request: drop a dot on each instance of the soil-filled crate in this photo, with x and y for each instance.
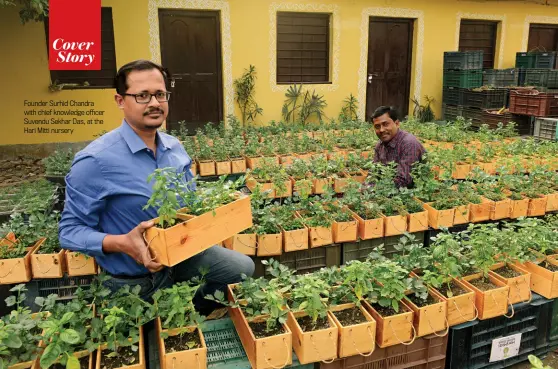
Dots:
(500, 77)
(546, 128)
(545, 60)
(474, 114)
(545, 78)
(303, 261)
(534, 103)
(427, 352)
(470, 343)
(452, 95)
(224, 349)
(451, 112)
(64, 287)
(360, 250)
(492, 118)
(463, 78)
(463, 60)
(485, 99)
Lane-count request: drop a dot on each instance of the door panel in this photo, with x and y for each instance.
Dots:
(389, 64)
(191, 49)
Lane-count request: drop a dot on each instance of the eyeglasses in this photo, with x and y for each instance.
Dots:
(145, 97)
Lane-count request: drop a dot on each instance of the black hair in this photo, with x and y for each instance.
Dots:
(390, 110)
(120, 81)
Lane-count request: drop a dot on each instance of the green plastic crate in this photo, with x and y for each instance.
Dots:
(463, 78)
(224, 349)
(525, 60)
(554, 322)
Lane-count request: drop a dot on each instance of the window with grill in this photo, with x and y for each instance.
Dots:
(543, 37)
(303, 48)
(103, 78)
(479, 35)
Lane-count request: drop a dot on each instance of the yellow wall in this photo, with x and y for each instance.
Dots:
(24, 63)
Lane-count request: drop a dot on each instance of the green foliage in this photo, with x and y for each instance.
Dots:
(349, 109)
(30, 10)
(166, 194)
(310, 294)
(300, 105)
(423, 113)
(245, 95)
(59, 162)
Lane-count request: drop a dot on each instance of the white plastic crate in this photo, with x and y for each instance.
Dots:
(546, 128)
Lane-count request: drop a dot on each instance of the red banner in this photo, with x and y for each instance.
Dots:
(74, 35)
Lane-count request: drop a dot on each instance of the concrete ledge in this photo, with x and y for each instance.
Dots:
(38, 150)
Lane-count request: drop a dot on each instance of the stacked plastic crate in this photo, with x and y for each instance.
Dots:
(462, 70)
(537, 95)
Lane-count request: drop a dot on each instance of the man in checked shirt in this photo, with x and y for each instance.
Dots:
(395, 145)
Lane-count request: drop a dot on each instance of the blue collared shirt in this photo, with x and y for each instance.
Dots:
(107, 189)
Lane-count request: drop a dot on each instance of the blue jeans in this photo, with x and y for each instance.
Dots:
(224, 267)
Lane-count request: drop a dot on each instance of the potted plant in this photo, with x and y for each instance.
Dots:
(320, 178)
(180, 339)
(491, 294)
(314, 331)
(353, 167)
(417, 217)
(122, 330)
(220, 154)
(319, 222)
(395, 213)
(258, 311)
(345, 226)
(295, 233)
(192, 221)
(272, 176)
(235, 151)
(204, 155)
(393, 317)
(57, 165)
(48, 259)
(430, 310)
(243, 242)
(269, 234)
(78, 264)
(299, 172)
(366, 212)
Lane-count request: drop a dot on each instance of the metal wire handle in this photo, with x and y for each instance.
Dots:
(267, 360)
(318, 352)
(355, 346)
(401, 342)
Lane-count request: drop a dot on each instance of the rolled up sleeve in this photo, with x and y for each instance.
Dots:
(79, 228)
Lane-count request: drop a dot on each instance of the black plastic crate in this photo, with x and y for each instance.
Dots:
(452, 96)
(535, 59)
(451, 112)
(463, 60)
(500, 77)
(546, 78)
(361, 249)
(470, 343)
(64, 287)
(474, 114)
(485, 99)
(463, 78)
(303, 261)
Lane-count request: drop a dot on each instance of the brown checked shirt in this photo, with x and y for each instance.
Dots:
(404, 149)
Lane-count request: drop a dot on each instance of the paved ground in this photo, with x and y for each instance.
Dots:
(551, 360)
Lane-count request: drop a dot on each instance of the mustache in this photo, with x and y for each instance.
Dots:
(153, 111)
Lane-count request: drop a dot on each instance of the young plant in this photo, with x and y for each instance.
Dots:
(393, 281)
(245, 91)
(310, 294)
(166, 197)
(59, 162)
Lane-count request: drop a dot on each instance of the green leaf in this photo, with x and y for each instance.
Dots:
(72, 363)
(12, 341)
(70, 336)
(50, 355)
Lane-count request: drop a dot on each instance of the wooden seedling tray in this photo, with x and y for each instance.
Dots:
(500, 209)
(359, 177)
(47, 265)
(431, 318)
(417, 222)
(395, 329)
(543, 281)
(140, 365)
(238, 165)
(339, 184)
(439, 218)
(552, 202)
(481, 212)
(286, 159)
(461, 171)
(263, 353)
(251, 183)
(270, 244)
(194, 358)
(314, 346)
(395, 225)
(223, 167)
(195, 234)
(345, 231)
(520, 287)
(489, 303)
(17, 270)
(488, 168)
(295, 240)
(370, 228)
(519, 208)
(79, 264)
(320, 185)
(300, 187)
(206, 168)
(537, 207)
(462, 214)
(357, 339)
(461, 308)
(243, 243)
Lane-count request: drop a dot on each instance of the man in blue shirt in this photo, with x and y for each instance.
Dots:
(107, 188)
